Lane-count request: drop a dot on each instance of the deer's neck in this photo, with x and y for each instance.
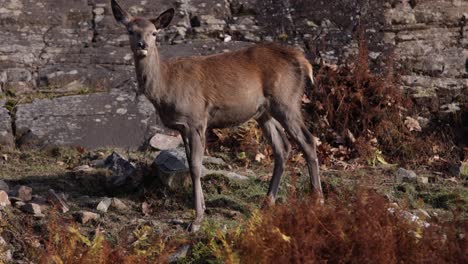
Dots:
(150, 77)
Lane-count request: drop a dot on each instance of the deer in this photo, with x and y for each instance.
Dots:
(265, 82)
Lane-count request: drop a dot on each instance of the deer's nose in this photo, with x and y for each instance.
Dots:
(142, 45)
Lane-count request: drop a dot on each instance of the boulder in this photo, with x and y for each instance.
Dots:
(162, 141)
(173, 171)
(4, 199)
(85, 217)
(172, 168)
(104, 205)
(24, 193)
(119, 205)
(403, 175)
(208, 160)
(228, 174)
(4, 186)
(123, 171)
(422, 179)
(180, 254)
(32, 208)
(83, 168)
(58, 201)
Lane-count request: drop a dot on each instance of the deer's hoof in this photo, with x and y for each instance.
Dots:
(194, 227)
(268, 202)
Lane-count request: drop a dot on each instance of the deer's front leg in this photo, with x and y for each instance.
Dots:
(195, 157)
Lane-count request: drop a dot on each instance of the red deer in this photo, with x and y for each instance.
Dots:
(191, 94)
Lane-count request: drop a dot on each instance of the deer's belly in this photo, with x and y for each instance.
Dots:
(235, 114)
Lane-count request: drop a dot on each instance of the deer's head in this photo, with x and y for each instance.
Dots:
(142, 32)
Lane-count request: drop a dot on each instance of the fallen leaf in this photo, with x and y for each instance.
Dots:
(145, 208)
(259, 157)
(283, 236)
(382, 160)
(351, 136)
(317, 141)
(412, 124)
(241, 155)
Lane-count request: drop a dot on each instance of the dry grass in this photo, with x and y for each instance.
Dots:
(354, 228)
(64, 241)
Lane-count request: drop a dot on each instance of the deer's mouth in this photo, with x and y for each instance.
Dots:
(142, 52)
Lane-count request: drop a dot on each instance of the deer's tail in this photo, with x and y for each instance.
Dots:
(307, 68)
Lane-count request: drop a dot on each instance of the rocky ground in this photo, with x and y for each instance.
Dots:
(67, 102)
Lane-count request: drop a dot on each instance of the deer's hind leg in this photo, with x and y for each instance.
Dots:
(281, 148)
(290, 117)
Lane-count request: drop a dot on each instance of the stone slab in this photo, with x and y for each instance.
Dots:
(92, 121)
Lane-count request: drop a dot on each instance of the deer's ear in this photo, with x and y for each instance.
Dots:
(120, 15)
(164, 19)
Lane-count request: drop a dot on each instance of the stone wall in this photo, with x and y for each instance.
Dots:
(75, 46)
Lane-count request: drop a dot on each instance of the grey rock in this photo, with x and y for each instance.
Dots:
(83, 168)
(18, 75)
(41, 201)
(58, 201)
(180, 254)
(122, 170)
(173, 171)
(228, 174)
(163, 142)
(19, 204)
(403, 175)
(104, 205)
(119, 205)
(172, 160)
(32, 208)
(4, 199)
(4, 186)
(422, 179)
(85, 216)
(92, 121)
(14, 200)
(98, 163)
(208, 160)
(6, 132)
(172, 168)
(242, 7)
(24, 193)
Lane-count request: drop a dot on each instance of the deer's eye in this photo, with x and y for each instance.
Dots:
(154, 34)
